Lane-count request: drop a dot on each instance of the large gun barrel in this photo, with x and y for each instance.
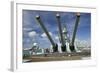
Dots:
(63, 46)
(55, 46)
(72, 48)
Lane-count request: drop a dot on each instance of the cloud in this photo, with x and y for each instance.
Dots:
(56, 37)
(44, 35)
(32, 34)
(82, 43)
(27, 29)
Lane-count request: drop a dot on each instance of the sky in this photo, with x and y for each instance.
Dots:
(33, 33)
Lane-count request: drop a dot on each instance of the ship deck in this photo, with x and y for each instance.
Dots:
(57, 57)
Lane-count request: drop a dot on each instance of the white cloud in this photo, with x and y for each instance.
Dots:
(27, 29)
(32, 34)
(44, 35)
(56, 37)
(83, 43)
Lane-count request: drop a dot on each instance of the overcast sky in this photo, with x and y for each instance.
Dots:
(33, 33)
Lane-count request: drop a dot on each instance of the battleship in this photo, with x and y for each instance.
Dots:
(66, 50)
